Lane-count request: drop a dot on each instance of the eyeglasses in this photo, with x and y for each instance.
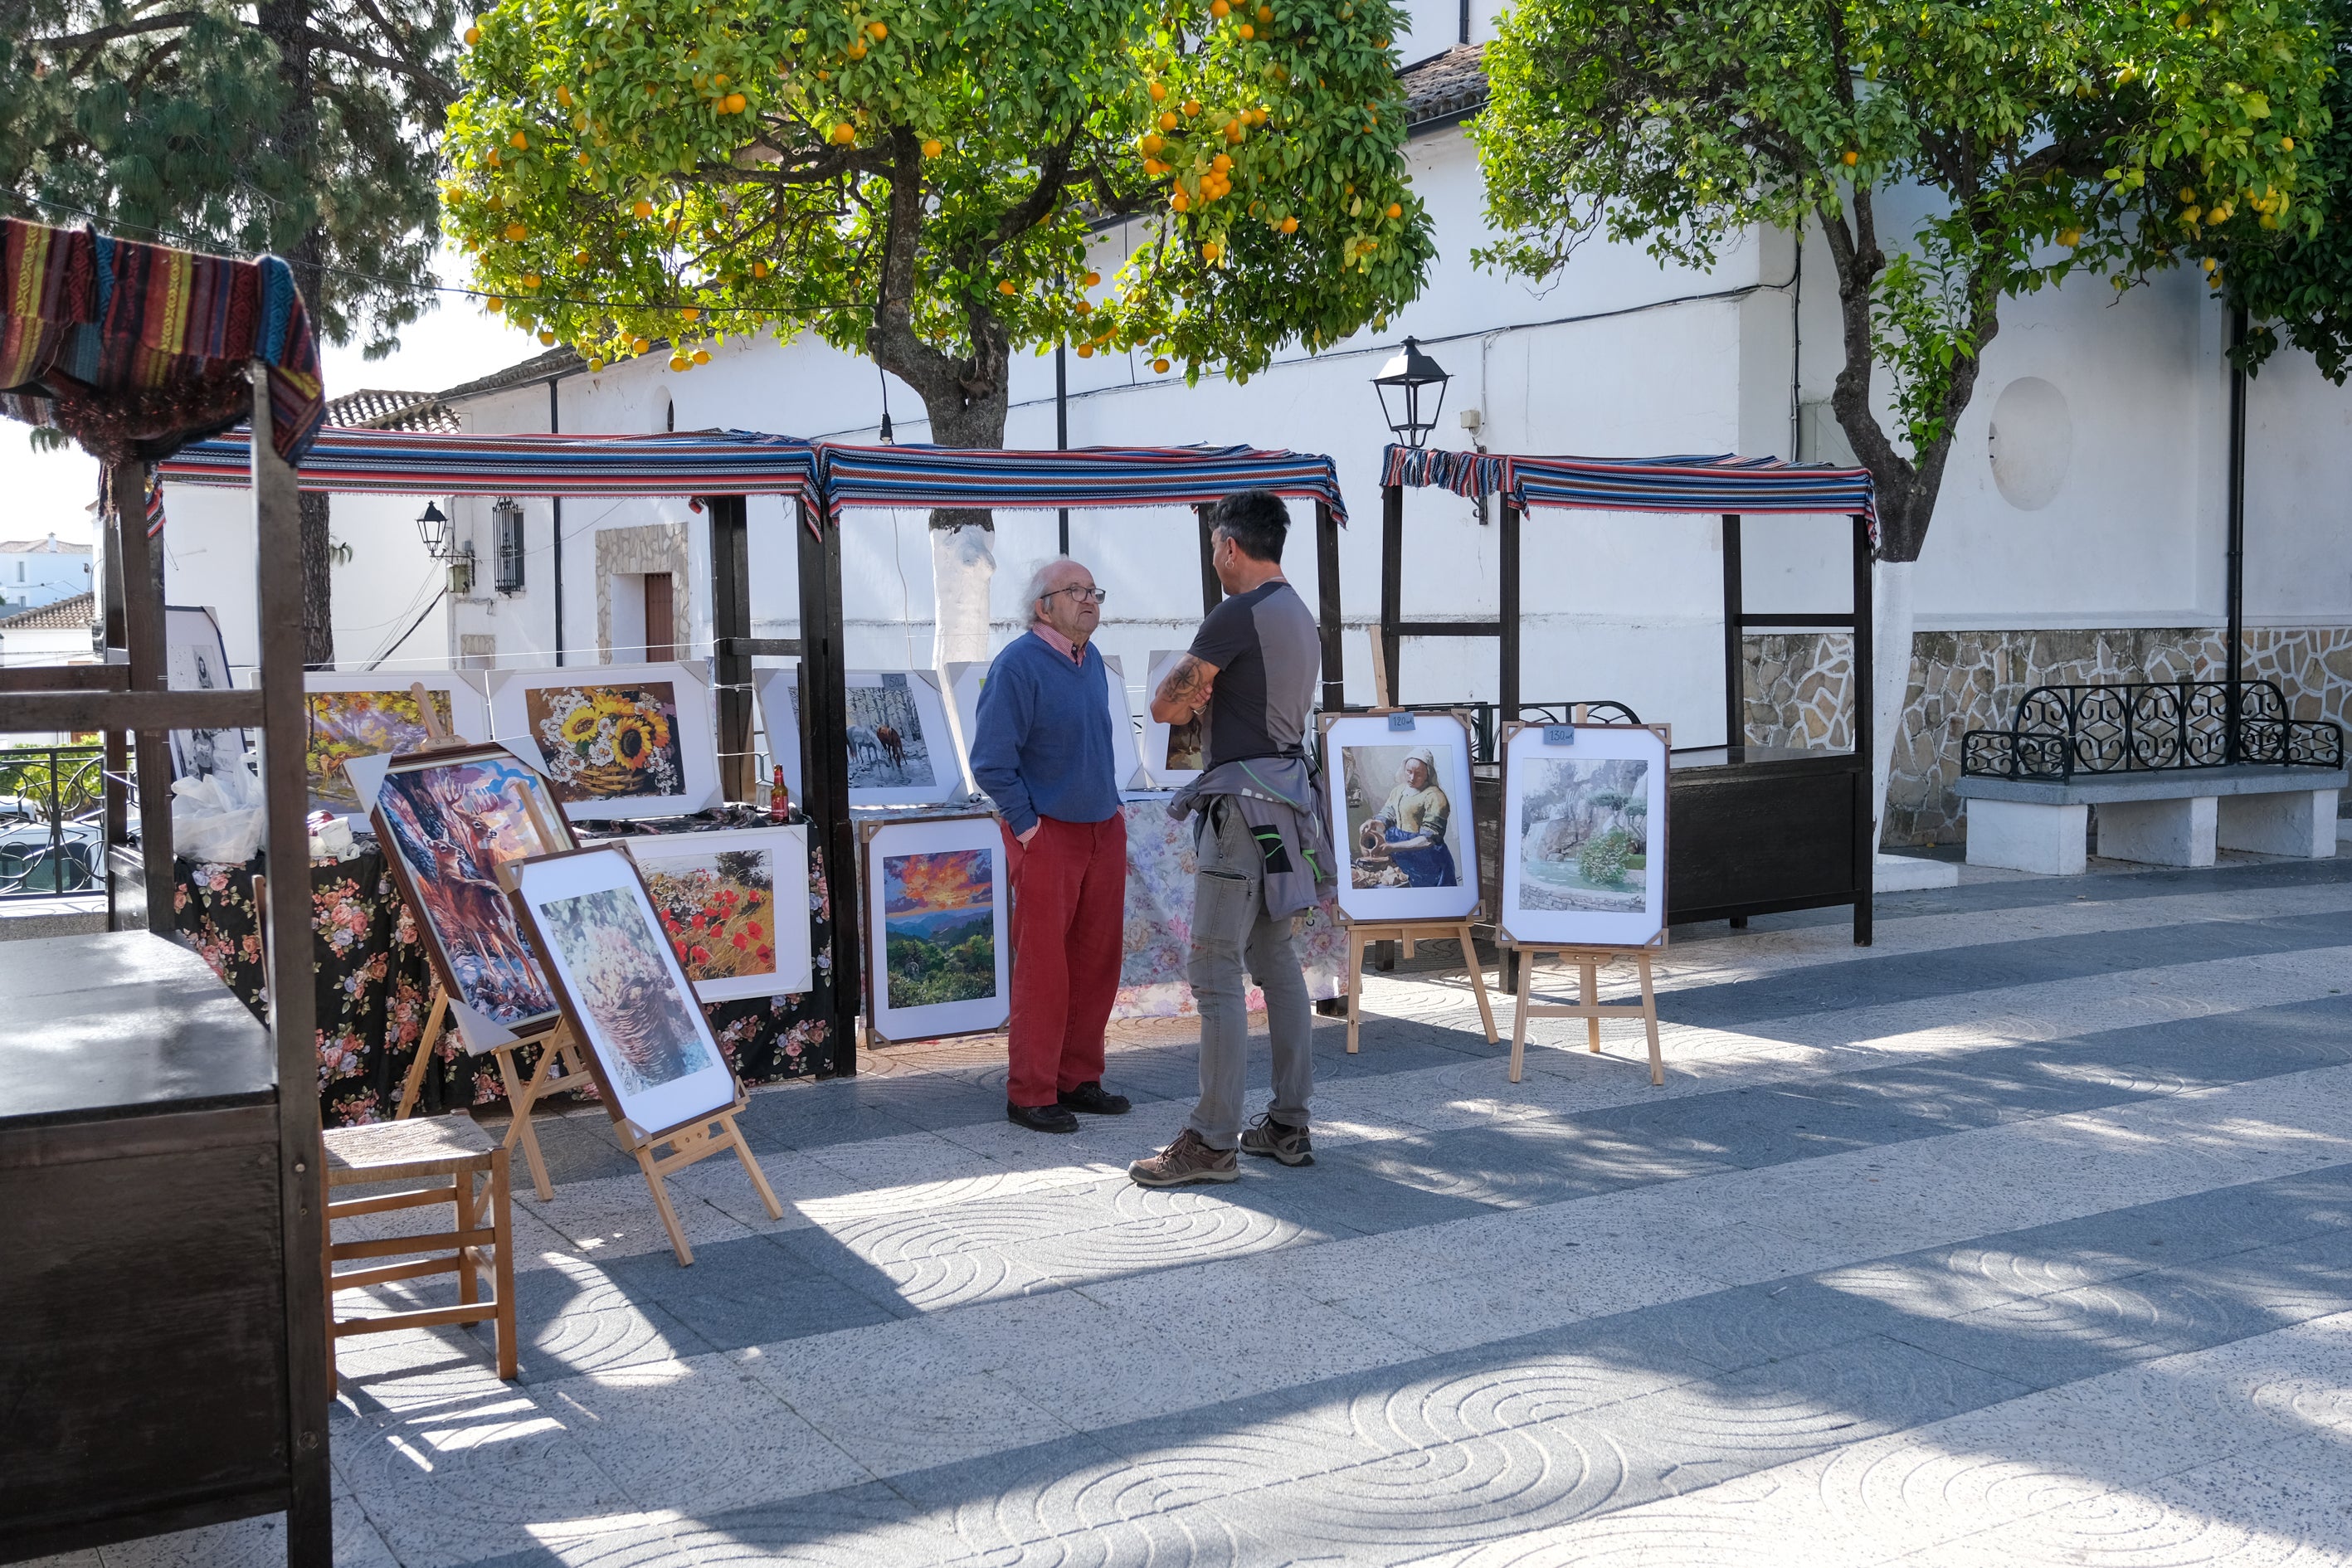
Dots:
(1089, 595)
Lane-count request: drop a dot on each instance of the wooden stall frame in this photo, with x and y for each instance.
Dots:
(1737, 621)
(143, 704)
(696, 1138)
(824, 770)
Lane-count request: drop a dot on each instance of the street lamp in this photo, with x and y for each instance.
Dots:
(1410, 374)
(434, 530)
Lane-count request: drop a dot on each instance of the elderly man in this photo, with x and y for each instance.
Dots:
(1043, 751)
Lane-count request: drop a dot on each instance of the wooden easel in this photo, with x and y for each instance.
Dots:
(1589, 962)
(1362, 936)
(689, 1143)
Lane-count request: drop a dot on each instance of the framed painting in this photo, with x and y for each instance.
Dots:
(900, 752)
(447, 821)
(376, 714)
(1401, 819)
(621, 989)
(195, 659)
(615, 740)
(966, 678)
(1171, 753)
(1584, 834)
(734, 906)
(938, 961)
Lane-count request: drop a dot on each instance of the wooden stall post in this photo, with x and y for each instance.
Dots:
(825, 765)
(1212, 593)
(1391, 583)
(730, 625)
(310, 1371)
(1327, 582)
(1865, 702)
(1735, 641)
(142, 624)
(1507, 613)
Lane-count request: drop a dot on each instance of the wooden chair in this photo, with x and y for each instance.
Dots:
(478, 1246)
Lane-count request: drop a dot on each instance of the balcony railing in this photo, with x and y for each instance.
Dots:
(2059, 731)
(52, 821)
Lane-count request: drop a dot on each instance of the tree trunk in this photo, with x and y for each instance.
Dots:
(1890, 662)
(318, 586)
(963, 540)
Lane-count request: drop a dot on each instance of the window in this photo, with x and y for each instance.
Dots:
(507, 517)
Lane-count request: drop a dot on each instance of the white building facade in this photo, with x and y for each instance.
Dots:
(36, 572)
(2080, 534)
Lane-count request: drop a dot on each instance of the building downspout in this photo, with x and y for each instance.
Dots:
(2233, 639)
(555, 428)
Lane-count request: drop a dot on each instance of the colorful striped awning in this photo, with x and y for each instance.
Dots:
(134, 350)
(436, 463)
(1081, 477)
(1750, 486)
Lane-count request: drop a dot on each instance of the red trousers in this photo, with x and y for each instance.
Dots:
(1069, 918)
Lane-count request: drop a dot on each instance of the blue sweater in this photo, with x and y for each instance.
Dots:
(1044, 743)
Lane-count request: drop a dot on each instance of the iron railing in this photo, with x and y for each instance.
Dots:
(2059, 731)
(1486, 721)
(52, 821)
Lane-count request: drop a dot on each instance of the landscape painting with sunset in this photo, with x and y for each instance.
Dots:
(940, 924)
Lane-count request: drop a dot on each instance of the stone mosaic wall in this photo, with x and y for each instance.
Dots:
(1796, 685)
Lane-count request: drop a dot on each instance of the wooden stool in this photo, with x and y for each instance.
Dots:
(450, 1146)
(1589, 962)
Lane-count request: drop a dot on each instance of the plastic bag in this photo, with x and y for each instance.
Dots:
(218, 817)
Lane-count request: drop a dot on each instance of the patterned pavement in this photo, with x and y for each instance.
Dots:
(2023, 1237)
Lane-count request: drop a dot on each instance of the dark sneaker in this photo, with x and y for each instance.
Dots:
(1185, 1161)
(1095, 1100)
(1279, 1140)
(1041, 1117)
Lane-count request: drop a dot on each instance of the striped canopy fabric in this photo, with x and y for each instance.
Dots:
(134, 350)
(1082, 477)
(436, 463)
(1688, 483)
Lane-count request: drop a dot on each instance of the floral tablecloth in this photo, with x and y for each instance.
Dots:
(1160, 866)
(375, 989)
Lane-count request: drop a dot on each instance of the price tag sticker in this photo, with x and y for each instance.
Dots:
(1400, 721)
(1560, 734)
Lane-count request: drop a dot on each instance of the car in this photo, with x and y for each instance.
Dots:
(32, 861)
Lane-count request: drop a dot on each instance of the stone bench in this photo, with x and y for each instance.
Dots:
(2173, 816)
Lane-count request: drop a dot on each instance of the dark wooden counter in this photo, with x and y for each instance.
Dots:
(143, 1305)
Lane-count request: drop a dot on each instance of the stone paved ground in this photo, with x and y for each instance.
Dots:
(2024, 1237)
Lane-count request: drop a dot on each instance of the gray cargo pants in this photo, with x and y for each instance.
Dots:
(1230, 929)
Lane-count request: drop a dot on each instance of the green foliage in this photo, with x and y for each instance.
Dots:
(2101, 135)
(626, 171)
(188, 123)
(957, 965)
(2295, 280)
(1603, 860)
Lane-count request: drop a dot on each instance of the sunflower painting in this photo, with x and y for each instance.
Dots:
(606, 742)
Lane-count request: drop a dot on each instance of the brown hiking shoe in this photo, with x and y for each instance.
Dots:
(1279, 1140)
(1184, 1161)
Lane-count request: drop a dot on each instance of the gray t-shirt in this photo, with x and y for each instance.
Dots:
(1269, 654)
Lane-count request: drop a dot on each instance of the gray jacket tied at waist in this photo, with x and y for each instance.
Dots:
(1281, 802)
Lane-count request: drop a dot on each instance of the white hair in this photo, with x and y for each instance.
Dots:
(1041, 578)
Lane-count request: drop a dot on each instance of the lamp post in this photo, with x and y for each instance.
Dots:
(1409, 376)
(432, 529)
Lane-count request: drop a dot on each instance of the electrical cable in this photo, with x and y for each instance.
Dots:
(412, 628)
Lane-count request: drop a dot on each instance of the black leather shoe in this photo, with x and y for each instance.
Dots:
(1095, 1100)
(1041, 1117)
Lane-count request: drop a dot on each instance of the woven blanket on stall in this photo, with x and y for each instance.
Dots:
(136, 350)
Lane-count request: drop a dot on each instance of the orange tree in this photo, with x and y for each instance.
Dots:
(922, 182)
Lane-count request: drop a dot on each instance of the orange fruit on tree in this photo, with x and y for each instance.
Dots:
(1085, 307)
(1153, 143)
(1265, 13)
(516, 231)
(1234, 133)
(679, 361)
(1191, 106)
(878, 30)
(1180, 201)
(856, 50)
(595, 365)
(843, 134)
(473, 37)
(547, 340)
(579, 258)
(1396, 209)
(1210, 251)
(580, 158)
(520, 140)
(702, 356)
(1007, 287)
(641, 346)
(1849, 157)
(1221, 162)
(1159, 91)
(1247, 32)
(1092, 279)
(644, 208)
(531, 280)
(1167, 119)
(759, 269)
(1290, 225)
(1219, 9)
(933, 148)
(495, 303)
(1085, 350)
(689, 314)
(1160, 365)
(563, 95)
(735, 103)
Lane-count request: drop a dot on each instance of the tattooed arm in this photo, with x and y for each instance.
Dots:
(1185, 691)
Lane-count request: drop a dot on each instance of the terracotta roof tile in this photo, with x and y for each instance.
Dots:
(66, 615)
(371, 410)
(1444, 88)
